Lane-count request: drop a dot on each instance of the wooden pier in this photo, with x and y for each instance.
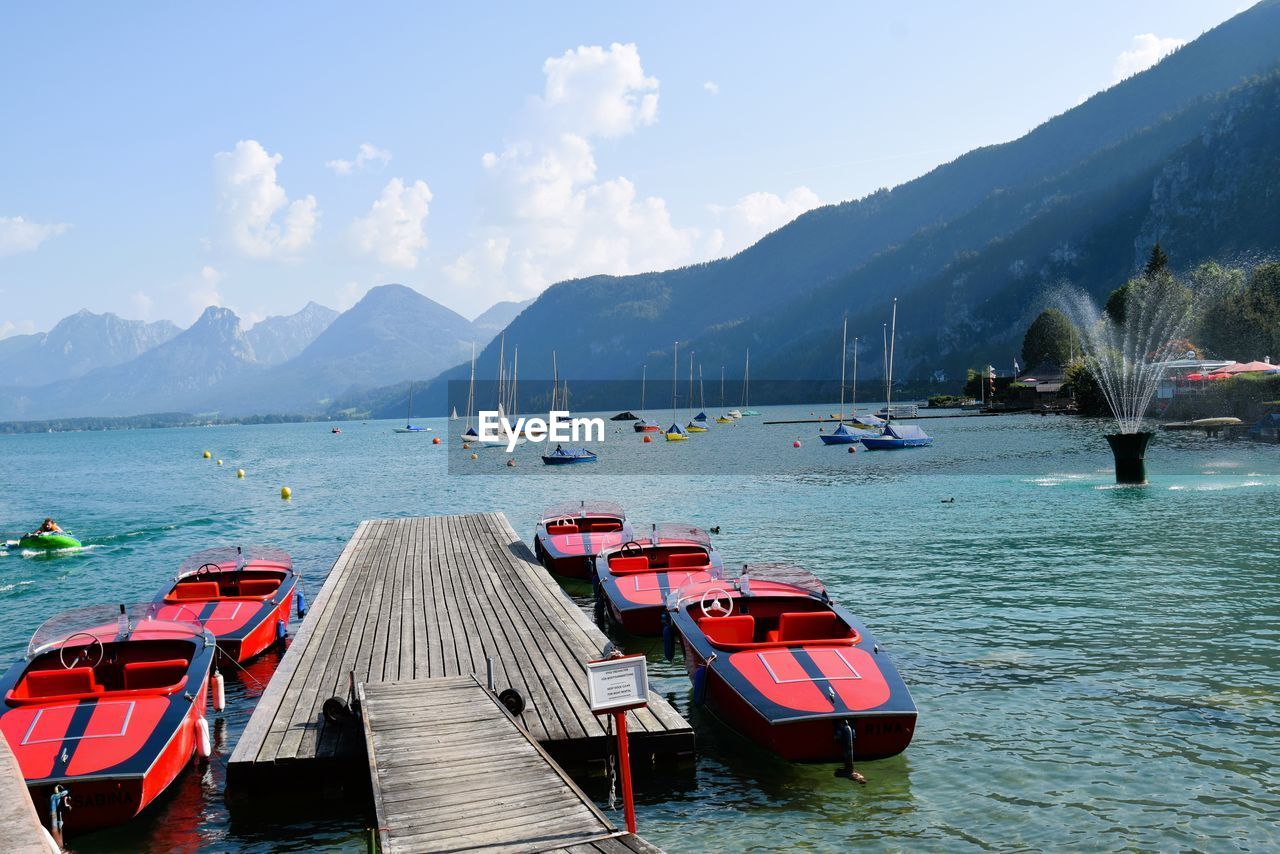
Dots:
(452, 770)
(20, 828)
(421, 598)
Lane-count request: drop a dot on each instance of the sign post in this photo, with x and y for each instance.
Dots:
(615, 685)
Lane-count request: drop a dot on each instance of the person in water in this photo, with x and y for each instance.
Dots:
(48, 526)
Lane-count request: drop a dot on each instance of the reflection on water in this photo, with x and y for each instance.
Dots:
(1095, 667)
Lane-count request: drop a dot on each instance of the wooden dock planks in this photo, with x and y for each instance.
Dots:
(453, 771)
(428, 597)
(20, 828)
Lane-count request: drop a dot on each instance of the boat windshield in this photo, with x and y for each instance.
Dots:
(756, 578)
(679, 531)
(229, 556)
(103, 623)
(573, 509)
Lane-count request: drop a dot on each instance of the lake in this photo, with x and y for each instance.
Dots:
(1095, 667)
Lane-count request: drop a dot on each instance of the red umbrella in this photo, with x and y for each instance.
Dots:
(1248, 368)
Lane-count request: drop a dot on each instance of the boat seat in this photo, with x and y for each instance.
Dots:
(555, 530)
(189, 591)
(258, 587)
(58, 683)
(740, 628)
(805, 625)
(625, 565)
(604, 527)
(140, 675)
(684, 559)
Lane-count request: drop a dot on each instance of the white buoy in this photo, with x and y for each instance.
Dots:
(219, 689)
(203, 745)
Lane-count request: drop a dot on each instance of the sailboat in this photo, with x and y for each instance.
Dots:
(701, 417)
(644, 425)
(894, 436)
(724, 416)
(675, 433)
(453, 414)
(841, 435)
(471, 434)
(409, 426)
(694, 425)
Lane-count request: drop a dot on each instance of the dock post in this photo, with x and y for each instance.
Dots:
(488, 673)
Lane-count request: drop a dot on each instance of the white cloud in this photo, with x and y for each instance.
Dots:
(347, 296)
(712, 87)
(592, 91)
(257, 218)
(756, 214)
(142, 305)
(22, 327)
(202, 290)
(1145, 51)
(365, 155)
(18, 234)
(393, 231)
(548, 215)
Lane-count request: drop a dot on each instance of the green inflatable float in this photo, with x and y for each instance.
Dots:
(48, 541)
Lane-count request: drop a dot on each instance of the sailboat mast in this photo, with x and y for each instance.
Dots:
(888, 398)
(644, 373)
(515, 369)
(884, 333)
(702, 396)
(408, 418)
(691, 386)
(722, 389)
(555, 381)
(675, 366)
(502, 364)
(471, 387)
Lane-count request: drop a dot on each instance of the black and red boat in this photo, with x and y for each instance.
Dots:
(569, 535)
(772, 656)
(242, 596)
(632, 580)
(105, 710)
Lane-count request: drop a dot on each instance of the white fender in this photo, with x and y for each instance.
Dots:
(219, 690)
(203, 745)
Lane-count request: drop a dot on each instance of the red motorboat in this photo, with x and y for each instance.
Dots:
(772, 656)
(105, 711)
(569, 535)
(632, 580)
(242, 597)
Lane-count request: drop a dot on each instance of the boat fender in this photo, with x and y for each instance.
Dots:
(58, 801)
(204, 746)
(514, 702)
(281, 630)
(301, 602)
(218, 688)
(845, 735)
(699, 686)
(668, 637)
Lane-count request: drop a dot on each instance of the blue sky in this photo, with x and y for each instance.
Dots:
(157, 158)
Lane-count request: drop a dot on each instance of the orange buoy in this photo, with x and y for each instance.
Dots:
(648, 439)
(435, 440)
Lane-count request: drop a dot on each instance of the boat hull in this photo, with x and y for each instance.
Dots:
(570, 555)
(839, 439)
(888, 443)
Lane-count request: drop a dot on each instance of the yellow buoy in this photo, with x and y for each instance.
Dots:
(207, 455)
(286, 493)
(219, 462)
(239, 472)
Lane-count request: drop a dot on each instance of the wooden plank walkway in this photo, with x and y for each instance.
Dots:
(452, 770)
(20, 829)
(427, 597)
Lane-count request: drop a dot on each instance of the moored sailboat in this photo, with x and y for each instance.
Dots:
(644, 425)
(675, 433)
(842, 435)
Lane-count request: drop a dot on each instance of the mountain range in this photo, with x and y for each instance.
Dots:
(103, 365)
(1186, 152)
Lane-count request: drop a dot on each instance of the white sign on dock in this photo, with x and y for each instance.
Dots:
(619, 683)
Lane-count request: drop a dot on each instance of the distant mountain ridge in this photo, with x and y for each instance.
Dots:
(297, 363)
(76, 345)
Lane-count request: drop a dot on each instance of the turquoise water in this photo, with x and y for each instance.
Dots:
(1095, 666)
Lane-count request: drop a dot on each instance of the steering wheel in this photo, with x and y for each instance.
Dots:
(63, 649)
(716, 602)
(206, 569)
(631, 549)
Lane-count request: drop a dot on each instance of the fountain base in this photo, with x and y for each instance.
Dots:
(1129, 450)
